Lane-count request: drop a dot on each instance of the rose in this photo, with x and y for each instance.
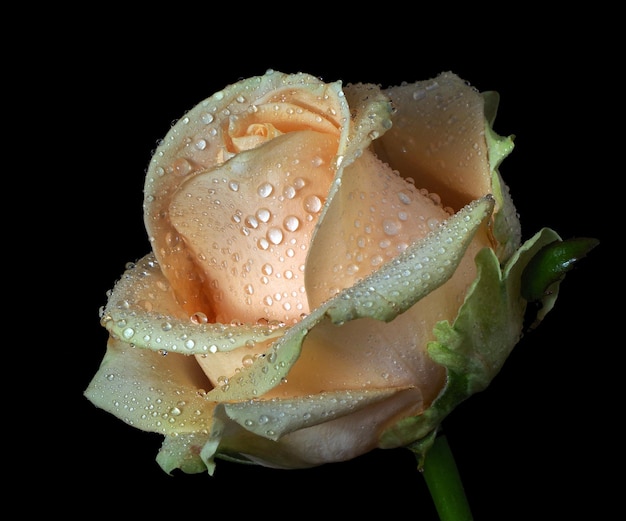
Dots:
(333, 270)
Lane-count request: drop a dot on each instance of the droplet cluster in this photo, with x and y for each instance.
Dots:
(217, 211)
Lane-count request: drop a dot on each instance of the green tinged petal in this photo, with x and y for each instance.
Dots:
(475, 346)
(507, 228)
(183, 452)
(143, 311)
(150, 391)
(274, 418)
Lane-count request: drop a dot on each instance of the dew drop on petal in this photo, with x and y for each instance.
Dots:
(291, 223)
(263, 215)
(289, 192)
(199, 318)
(275, 235)
(265, 189)
(391, 227)
(312, 204)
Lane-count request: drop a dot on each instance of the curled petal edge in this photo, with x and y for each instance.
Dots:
(383, 295)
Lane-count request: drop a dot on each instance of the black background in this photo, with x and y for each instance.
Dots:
(537, 443)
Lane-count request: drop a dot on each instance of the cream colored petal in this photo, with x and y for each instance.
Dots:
(374, 216)
(248, 223)
(275, 418)
(438, 138)
(200, 141)
(150, 391)
(340, 438)
(143, 311)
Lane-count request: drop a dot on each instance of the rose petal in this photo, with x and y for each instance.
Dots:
(248, 223)
(474, 347)
(438, 138)
(375, 215)
(152, 392)
(275, 418)
(385, 294)
(142, 310)
(201, 140)
(338, 439)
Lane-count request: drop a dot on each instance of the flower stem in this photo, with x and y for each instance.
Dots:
(444, 483)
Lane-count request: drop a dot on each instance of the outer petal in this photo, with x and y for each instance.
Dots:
(374, 216)
(150, 391)
(438, 138)
(344, 429)
(474, 347)
(142, 311)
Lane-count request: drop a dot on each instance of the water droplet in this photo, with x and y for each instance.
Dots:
(433, 223)
(404, 197)
(265, 189)
(289, 192)
(263, 215)
(275, 235)
(291, 223)
(247, 360)
(252, 222)
(180, 167)
(391, 227)
(312, 204)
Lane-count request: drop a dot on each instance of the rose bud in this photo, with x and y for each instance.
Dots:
(333, 270)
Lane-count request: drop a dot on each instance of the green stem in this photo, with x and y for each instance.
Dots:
(444, 483)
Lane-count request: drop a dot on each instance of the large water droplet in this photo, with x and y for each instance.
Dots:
(312, 204)
(275, 235)
(263, 215)
(265, 189)
(291, 223)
